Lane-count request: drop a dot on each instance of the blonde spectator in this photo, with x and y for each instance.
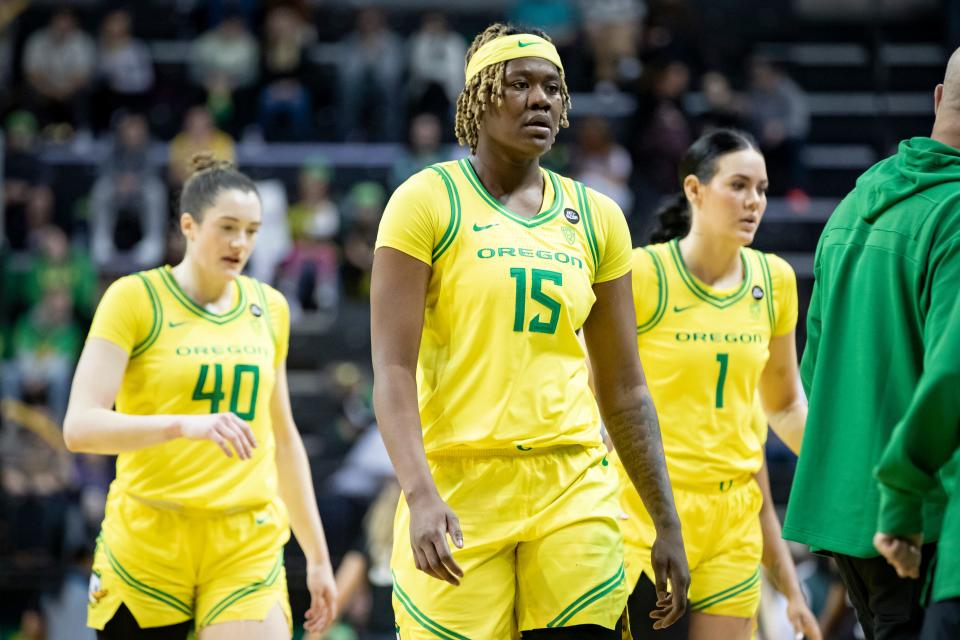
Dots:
(198, 135)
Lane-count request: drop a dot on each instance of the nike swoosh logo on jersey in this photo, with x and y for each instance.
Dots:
(523, 448)
(677, 309)
(173, 324)
(477, 227)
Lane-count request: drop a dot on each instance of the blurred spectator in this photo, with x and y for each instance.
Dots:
(124, 69)
(557, 17)
(35, 483)
(364, 581)
(724, 107)
(31, 626)
(285, 106)
(436, 67)
(273, 238)
(370, 71)
(24, 174)
(46, 343)
(365, 207)
(613, 32)
(662, 131)
(198, 134)
(65, 611)
(223, 61)
(58, 63)
(55, 265)
(674, 28)
(310, 274)
(128, 203)
(10, 10)
(602, 164)
(781, 120)
(422, 150)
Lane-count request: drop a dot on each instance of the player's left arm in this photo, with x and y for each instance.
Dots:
(779, 563)
(781, 390)
(296, 491)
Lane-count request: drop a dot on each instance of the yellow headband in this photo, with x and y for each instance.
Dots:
(521, 45)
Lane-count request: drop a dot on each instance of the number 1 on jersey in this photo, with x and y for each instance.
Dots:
(538, 276)
(722, 358)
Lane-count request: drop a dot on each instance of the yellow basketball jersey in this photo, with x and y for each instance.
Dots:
(500, 365)
(703, 351)
(187, 360)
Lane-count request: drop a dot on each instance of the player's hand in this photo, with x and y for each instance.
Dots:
(901, 552)
(430, 522)
(323, 597)
(802, 619)
(669, 561)
(225, 430)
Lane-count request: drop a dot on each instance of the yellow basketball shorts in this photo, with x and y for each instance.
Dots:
(168, 566)
(722, 537)
(541, 549)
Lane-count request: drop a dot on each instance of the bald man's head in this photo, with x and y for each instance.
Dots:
(951, 84)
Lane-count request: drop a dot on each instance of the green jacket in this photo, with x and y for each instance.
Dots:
(882, 345)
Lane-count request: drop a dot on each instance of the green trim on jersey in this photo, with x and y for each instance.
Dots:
(435, 628)
(540, 218)
(143, 588)
(196, 309)
(455, 213)
(662, 293)
(258, 287)
(147, 342)
(721, 302)
(243, 592)
(768, 281)
(588, 224)
(726, 594)
(587, 598)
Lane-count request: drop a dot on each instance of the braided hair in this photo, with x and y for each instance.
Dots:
(486, 87)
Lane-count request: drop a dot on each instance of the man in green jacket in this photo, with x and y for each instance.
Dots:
(883, 351)
(922, 450)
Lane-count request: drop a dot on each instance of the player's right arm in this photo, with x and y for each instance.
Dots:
(402, 266)
(92, 426)
(398, 293)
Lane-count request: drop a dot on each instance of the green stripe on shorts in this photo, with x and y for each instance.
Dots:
(435, 628)
(728, 593)
(588, 598)
(143, 588)
(243, 592)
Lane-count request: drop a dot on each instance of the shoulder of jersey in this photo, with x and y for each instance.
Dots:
(272, 296)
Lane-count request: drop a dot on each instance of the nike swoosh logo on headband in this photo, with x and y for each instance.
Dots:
(525, 44)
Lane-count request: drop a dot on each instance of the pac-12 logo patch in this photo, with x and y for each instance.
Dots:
(571, 215)
(256, 311)
(757, 293)
(569, 234)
